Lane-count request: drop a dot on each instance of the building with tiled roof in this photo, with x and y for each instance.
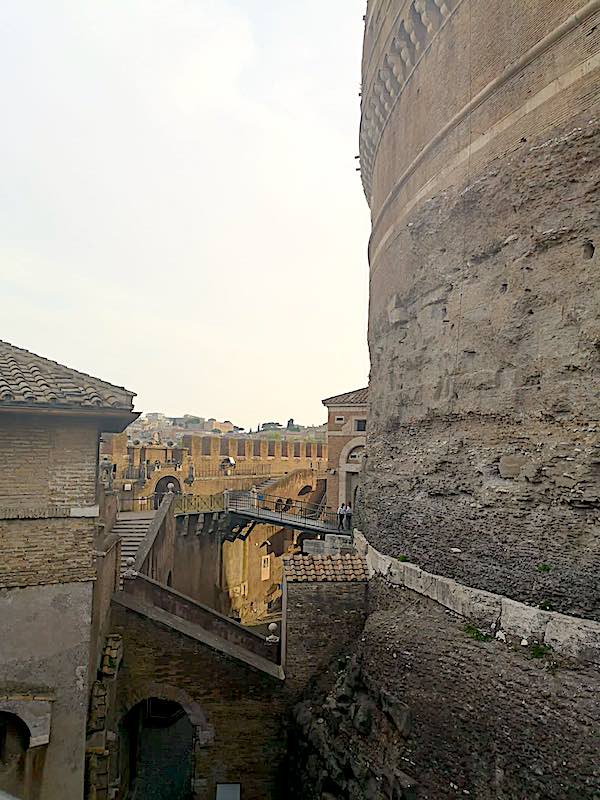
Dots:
(358, 397)
(51, 539)
(346, 442)
(30, 383)
(346, 567)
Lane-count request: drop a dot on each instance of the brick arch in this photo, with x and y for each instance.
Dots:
(165, 691)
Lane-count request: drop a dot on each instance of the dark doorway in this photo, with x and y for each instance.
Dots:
(14, 741)
(156, 743)
(162, 487)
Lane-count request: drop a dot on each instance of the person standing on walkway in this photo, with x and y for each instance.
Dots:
(341, 515)
(348, 517)
(254, 497)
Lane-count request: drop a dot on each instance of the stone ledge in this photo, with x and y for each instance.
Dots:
(570, 636)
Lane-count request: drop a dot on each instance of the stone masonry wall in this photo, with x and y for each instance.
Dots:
(489, 474)
(321, 620)
(424, 706)
(481, 164)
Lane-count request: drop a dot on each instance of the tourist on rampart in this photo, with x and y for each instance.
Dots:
(348, 517)
(254, 497)
(341, 514)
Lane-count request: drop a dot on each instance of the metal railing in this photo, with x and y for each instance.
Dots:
(129, 503)
(199, 503)
(268, 506)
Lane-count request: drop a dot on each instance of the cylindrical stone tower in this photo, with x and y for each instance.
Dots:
(480, 157)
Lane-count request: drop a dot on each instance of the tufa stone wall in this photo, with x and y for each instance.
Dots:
(483, 452)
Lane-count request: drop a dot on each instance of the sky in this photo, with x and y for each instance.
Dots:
(180, 211)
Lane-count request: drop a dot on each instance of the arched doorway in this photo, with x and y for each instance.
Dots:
(157, 739)
(14, 742)
(305, 490)
(162, 488)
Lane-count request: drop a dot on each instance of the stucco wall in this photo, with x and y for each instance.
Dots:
(44, 631)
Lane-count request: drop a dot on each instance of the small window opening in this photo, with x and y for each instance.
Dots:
(588, 250)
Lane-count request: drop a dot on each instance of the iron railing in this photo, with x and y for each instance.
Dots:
(126, 502)
(199, 503)
(284, 510)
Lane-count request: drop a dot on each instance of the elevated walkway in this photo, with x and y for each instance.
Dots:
(273, 510)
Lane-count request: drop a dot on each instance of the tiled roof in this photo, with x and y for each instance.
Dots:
(346, 567)
(28, 380)
(359, 397)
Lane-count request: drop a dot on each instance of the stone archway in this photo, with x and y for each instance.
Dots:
(162, 487)
(164, 736)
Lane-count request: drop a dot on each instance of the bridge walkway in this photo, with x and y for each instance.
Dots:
(273, 510)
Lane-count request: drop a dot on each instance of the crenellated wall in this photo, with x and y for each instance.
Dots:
(480, 156)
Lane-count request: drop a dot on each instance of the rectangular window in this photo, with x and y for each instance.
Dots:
(339, 420)
(360, 425)
(308, 450)
(271, 447)
(241, 447)
(319, 451)
(256, 448)
(224, 446)
(284, 449)
(206, 445)
(296, 449)
(265, 568)
(228, 791)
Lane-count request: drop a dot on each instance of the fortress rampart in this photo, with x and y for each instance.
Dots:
(480, 158)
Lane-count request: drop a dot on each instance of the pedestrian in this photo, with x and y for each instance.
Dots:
(341, 514)
(254, 497)
(348, 517)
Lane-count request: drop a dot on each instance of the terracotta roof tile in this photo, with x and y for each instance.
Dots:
(27, 379)
(358, 397)
(347, 567)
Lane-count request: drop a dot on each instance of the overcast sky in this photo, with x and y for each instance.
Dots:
(179, 208)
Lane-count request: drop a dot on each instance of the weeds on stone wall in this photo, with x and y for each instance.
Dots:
(474, 632)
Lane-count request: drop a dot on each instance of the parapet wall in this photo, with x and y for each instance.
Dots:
(501, 617)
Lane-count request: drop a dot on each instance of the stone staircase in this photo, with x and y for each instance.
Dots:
(131, 527)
